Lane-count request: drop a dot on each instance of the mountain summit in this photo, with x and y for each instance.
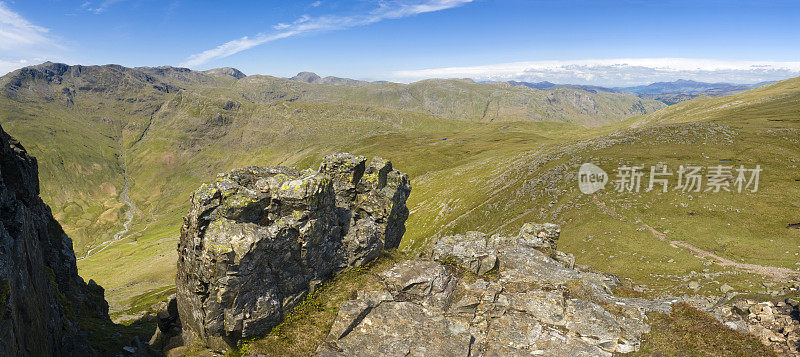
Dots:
(226, 71)
(307, 77)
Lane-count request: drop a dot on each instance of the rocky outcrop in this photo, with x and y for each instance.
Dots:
(485, 295)
(42, 298)
(257, 240)
(167, 337)
(226, 71)
(775, 324)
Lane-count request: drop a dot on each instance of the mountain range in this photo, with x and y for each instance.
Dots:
(112, 140)
(667, 92)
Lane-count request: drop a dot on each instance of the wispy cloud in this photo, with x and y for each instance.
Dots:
(283, 26)
(10, 65)
(316, 4)
(16, 32)
(22, 43)
(616, 72)
(386, 10)
(99, 7)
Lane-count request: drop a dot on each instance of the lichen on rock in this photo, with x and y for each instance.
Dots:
(535, 304)
(257, 240)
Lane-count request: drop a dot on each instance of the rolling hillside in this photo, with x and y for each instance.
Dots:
(480, 156)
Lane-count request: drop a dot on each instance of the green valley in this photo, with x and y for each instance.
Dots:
(485, 157)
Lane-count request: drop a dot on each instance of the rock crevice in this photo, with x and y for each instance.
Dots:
(257, 240)
(42, 298)
(491, 296)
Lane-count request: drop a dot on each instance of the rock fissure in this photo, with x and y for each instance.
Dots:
(528, 309)
(260, 239)
(43, 300)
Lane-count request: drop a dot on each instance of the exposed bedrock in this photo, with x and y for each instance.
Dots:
(43, 301)
(483, 295)
(257, 240)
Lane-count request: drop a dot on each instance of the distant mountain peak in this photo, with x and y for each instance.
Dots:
(311, 77)
(226, 71)
(546, 85)
(307, 77)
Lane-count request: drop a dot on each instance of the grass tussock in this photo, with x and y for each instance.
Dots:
(691, 332)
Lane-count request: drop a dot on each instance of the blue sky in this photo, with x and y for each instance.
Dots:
(587, 42)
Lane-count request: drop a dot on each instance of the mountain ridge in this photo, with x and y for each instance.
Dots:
(181, 128)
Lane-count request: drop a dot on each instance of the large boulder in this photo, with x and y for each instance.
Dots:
(257, 240)
(42, 297)
(491, 296)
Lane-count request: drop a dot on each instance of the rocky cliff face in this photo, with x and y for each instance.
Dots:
(491, 296)
(42, 298)
(257, 240)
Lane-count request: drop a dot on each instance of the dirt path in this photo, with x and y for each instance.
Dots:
(774, 273)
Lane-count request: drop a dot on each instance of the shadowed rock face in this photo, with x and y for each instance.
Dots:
(257, 240)
(491, 296)
(41, 294)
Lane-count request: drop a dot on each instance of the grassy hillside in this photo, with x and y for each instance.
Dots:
(462, 99)
(473, 165)
(779, 101)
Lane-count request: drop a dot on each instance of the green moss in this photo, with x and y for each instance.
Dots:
(450, 260)
(242, 350)
(221, 248)
(492, 275)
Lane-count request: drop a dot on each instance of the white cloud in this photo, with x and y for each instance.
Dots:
(22, 43)
(10, 65)
(283, 26)
(306, 24)
(100, 8)
(316, 4)
(616, 72)
(16, 32)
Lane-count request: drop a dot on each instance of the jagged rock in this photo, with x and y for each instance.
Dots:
(400, 328)
(41, 295)
(536, 304)
(725, 288)
(257, 240)
(425, 281)
(540, 235)
(472, 252)
(546, 306)
(168, 329)
(370, 200)
(774, 324)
